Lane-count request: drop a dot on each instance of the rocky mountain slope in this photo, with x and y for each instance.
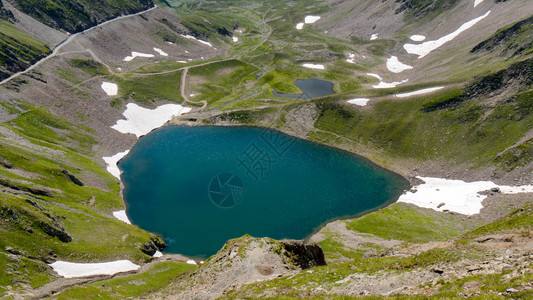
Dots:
(27, 27)
(74, 16)
(246, 260)
(223, 59)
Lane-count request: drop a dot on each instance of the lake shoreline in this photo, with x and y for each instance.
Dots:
(405, 168)
(396, 184)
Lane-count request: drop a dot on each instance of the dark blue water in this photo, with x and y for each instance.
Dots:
(311, 88)
(200, 186)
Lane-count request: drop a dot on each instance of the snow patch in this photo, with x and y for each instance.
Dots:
(161, 52)
(419, 92)
(72, 270)
(505, 189)
(417, 38)
(121, 216)
(375, 76)
(359, 101)
(111, 89)
(385, 85)
(181, 61)
(388, 85)
(200, 41)
(157, 254)
(395, 66)
(307, 20)
(314, 66)
(311, 19)
(234, 39)
(141, 121)
(191, 262)
(374, 36)
(137, 54)
(112, 161)
(351, 58)
(425, 48)
(455, 195)
(477, 2)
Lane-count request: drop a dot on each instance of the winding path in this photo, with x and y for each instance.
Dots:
(58, 47)
(182, 89)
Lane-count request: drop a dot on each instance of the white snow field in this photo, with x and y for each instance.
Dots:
(121, 216)
(359, 101)
(140, 120)
(137, 54)
(314, 66)
(112, 161)
(425, 48)
(419, 92)
(396, 66)
(73, 270)
(111, 89)
(455, 195)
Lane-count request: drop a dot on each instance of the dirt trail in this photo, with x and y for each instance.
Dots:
(528, 136)
(182, 83)
(59, 46)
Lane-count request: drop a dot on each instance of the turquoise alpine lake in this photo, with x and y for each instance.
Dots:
(200, 186)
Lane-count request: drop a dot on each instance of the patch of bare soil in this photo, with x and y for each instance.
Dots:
(353, 241)
(242, 261)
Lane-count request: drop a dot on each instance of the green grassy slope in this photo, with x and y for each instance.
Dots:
(17, 50)
(410, 224)
(516, 39)
(55, 200)
(462, 126)
(159, 275)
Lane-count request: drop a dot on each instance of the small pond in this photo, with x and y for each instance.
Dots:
(311, 88)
